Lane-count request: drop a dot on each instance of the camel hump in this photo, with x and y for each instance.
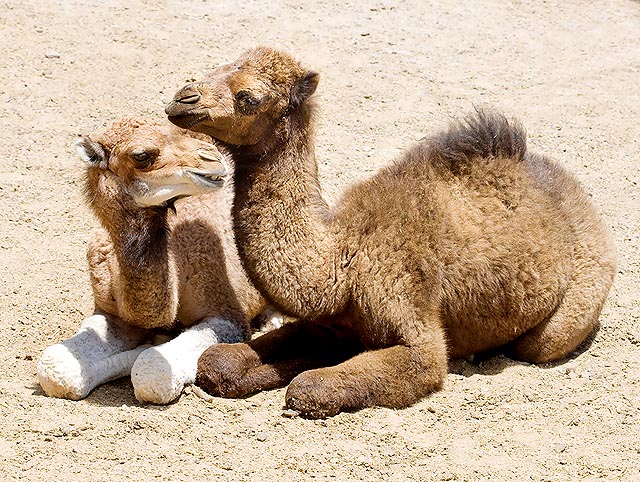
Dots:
(485, 134)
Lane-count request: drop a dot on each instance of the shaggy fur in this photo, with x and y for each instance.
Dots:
(151, 269)
(466, 243)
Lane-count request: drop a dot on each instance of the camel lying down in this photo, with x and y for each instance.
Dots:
(466, 243)
(152, 269)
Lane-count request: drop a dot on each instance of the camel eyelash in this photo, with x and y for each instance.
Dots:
(246, 97)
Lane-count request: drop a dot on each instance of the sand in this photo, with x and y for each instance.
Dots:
(391, 73)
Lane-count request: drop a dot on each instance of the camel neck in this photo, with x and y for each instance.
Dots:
(140, 242)
(280, 224)
(139, 234)
(141, 238)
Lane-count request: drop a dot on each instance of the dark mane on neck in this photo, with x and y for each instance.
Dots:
(145, 242)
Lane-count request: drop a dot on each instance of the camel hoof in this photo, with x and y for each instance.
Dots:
(311, 395)
(157, 381)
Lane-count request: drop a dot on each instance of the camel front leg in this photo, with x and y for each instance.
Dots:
(273, 359)
(394, 377)
(103, 349)
(160, 373)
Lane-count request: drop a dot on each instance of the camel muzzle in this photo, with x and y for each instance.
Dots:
(189, 94)
(189, 99)
(182, 109)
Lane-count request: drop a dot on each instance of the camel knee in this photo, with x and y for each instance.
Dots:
(222, 367)
(551, 342)
(157, 380)
(62, 375)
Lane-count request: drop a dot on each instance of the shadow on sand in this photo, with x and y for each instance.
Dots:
(116, 393)
(495, 361)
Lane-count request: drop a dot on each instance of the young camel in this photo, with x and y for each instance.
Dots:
(466, 243)
(153, 270)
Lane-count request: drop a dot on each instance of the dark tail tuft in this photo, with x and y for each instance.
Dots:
(484, 133)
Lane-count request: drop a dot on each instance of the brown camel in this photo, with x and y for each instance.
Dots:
(152, 269)
(465, 243)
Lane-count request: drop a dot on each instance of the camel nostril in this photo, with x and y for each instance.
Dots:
(189, 99)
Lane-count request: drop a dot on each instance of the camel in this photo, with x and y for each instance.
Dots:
(154, 272)
(466, 243)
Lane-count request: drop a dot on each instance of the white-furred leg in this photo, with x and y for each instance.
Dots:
(160, 373)
(103, 349)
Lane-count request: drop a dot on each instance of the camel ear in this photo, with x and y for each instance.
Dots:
(303, 88)
(92, 152)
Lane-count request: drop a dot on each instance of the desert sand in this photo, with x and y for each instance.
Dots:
(391, 73)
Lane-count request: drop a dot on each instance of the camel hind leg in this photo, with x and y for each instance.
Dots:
(573, 321)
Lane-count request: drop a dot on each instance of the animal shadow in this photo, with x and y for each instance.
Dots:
(493, 362)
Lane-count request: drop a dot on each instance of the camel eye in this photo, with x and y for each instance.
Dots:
(245, 96)
(143, 158)
(247, 103)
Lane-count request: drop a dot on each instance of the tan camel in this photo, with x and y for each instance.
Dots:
(151, 269)
(466, 243)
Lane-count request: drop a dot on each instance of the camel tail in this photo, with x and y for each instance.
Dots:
(484, 133)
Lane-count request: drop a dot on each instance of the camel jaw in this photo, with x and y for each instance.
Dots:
(184, 116)
(188, 121)
(185, 183)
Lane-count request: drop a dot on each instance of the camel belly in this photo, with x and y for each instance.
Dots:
(495, 304)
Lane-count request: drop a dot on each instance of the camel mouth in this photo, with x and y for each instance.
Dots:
(179, 115)
(207, 179)
(186, 121)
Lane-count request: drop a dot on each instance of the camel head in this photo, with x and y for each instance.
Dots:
(156, 164)
(243, 102)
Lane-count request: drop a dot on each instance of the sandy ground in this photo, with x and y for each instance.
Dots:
(392, 72)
